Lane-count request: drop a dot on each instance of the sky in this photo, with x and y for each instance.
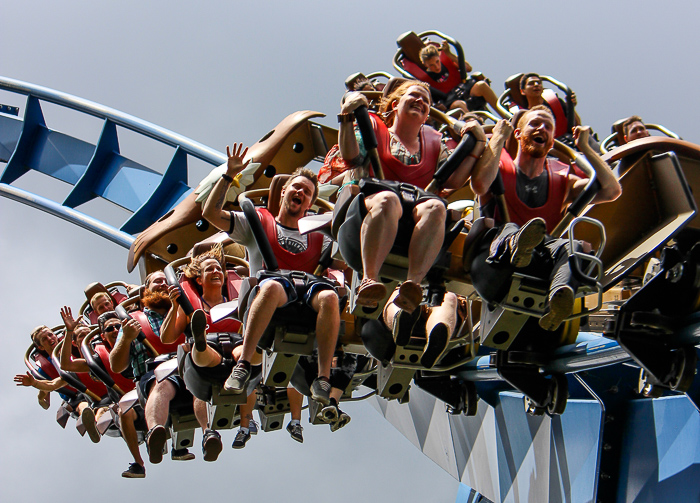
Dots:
(224, 72)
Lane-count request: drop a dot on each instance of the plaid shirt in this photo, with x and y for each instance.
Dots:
(138, 354)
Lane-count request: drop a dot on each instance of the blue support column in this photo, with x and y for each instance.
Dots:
(33, 123)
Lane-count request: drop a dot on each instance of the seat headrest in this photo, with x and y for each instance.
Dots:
(512, 83)
(275, 194)
(411, 45)
(94, 288)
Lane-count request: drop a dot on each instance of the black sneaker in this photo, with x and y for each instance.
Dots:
(211, 445)
(525, 241)
(135, 471)
(241, 439)
(438, 339)
(403, 324)
(343, 419)
(295, 432)
(238, 379)
(155, 443)
(321, 391)
(198, 326)
(181, 455)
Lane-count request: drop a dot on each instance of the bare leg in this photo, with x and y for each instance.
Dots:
(325, 303)
(200, 412)
(246, 410)
(158, 403)
(378, 231)
(129, 434)
(444, 313)
(270, 297)
(207, 358)
(296, 400)
(427, 238)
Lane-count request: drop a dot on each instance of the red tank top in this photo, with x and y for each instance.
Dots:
(305, 261)
(519, 212)
(124, 384)
(420, 174)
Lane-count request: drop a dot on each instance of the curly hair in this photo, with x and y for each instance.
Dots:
(385, 110)
(194, 268)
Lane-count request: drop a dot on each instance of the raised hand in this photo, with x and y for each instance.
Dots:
(68, 320)
(236, 154)
(24, 379)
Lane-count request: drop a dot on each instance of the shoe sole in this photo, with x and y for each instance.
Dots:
(561, 305)
(370, 295)
(403, 326)
(88, 417)
(343, 420)
(212, 449)
(187, 457)
(134, 476)
(527, 239)
(240, 446)
(198, 326)
(437, 343)
(156, 442)
(409, 297)
(300, 440)
(328, 415)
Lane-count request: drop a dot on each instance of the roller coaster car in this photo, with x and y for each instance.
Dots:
(41, 367)
(660, 177)
(96, 356)
(407, 62)
(112, 289)
(294, 142)
(206, 385)
(291, 332)
(565, 116)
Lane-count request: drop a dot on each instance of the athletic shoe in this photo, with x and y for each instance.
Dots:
(402, 326)
(343, 419)
(328, 414)
(135, 471)
(155, 442)
(524, 242)
(88, 420)
(437, 343)
(560, 307)
(295, 432)
(240, 440)
(320, 391)
(370, 292)
(181, 455)
(198, 326)
(211, 445)
(253, 427)
(238, 379)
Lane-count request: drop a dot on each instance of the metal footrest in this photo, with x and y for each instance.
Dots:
(393, 381)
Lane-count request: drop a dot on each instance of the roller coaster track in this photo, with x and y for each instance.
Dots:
(608, 446)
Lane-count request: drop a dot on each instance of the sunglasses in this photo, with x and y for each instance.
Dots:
(111, 328)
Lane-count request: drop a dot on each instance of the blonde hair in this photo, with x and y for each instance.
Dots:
(98, 296)
(428, 52)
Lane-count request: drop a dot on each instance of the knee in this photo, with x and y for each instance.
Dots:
(165, 389)
(432, 211)
(479, 88)
(271, 289)
(328, 301)
(386, 204)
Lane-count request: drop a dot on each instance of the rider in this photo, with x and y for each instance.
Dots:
(410, 152)
(474, 93)
(207, 270)
(293, 251)
(537, 189)
(633, 128)
(129, 351)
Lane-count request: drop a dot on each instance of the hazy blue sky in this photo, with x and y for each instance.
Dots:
(229, 71)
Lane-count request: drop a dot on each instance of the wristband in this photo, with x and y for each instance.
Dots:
(228, 178)
(348, 117)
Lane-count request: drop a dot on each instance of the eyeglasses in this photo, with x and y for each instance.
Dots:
(111, 328)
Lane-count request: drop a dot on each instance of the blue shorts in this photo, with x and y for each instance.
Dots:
(291, 291)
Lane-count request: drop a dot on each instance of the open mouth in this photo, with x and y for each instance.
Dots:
(296, 200)
(539, 140)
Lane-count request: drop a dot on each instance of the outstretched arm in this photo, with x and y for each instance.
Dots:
(29, 380)
(609, 186)
(213, 207)
(486, 169)
(445, 47)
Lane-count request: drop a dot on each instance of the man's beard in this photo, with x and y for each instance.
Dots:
(156, 300)
(534, 149)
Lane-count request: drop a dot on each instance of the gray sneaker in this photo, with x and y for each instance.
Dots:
(320, 391)
(237, 381)
(295, 432)
(253, 427)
